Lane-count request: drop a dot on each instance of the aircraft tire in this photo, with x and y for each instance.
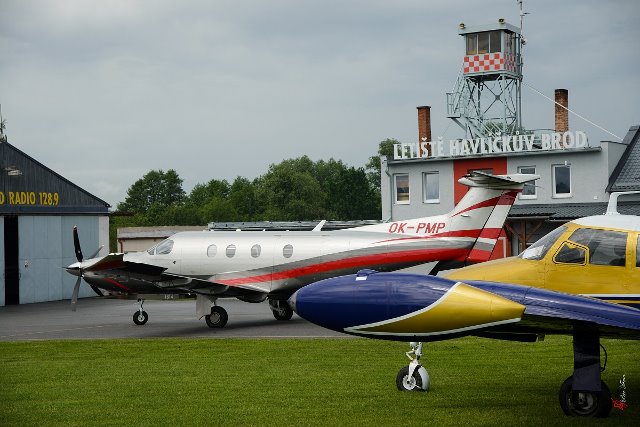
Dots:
(406, 383)
(218, 317)
(284, 312)
(140, 318)
(590, 404)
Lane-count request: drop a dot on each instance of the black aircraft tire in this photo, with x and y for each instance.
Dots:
(218, 317)
(586, 404)
(140, 318)
(283, 313)
(404, 383)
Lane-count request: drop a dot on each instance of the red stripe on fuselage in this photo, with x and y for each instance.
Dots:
(117, 284)
(406, 257)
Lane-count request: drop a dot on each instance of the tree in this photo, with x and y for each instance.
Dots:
(155, 187)
(385, 148)
(290, 191)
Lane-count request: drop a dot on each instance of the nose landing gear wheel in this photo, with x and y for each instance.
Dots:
(218, 317)
(404, 382)
(585, 404)
(140, 317)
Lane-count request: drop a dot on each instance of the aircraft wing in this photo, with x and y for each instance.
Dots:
(408, 307)
(137, 277)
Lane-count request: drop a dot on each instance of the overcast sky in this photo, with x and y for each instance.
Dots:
(104, 91)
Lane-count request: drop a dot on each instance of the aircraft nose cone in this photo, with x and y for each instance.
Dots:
(74, 269)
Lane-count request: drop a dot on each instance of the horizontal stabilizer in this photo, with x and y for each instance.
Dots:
(497, 182)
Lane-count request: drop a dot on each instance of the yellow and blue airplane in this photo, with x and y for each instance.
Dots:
(582, 279)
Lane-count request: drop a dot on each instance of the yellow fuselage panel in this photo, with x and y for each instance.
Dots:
(461, 308)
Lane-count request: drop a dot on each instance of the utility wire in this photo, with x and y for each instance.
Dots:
(571, 111)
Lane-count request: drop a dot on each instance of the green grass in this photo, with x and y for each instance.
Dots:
(293, 382)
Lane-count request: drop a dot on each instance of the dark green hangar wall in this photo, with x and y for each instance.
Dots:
(38, 210)
(28, 187)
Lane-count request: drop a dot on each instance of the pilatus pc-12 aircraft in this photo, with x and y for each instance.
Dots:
(255, 265)
(582, 279)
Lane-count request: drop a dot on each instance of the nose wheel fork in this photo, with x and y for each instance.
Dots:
(413, 377)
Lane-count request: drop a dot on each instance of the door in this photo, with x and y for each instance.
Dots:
(11, 257)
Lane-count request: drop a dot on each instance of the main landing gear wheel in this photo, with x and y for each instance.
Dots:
(584, 404)
(218, 317)
(405, 382)
(283, 312)
(140, 317)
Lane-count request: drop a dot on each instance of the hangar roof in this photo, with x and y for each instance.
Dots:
(29, 187)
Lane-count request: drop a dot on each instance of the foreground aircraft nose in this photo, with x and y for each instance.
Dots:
(74, 269)
(402, 306)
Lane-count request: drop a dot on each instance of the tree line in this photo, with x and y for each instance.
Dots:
(293, 190)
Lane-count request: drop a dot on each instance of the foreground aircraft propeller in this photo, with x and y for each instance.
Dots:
(79, 269)
(419, 308)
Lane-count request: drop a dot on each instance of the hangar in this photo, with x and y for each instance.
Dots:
(38, 209)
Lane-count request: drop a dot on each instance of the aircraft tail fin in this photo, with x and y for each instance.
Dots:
(508, 186)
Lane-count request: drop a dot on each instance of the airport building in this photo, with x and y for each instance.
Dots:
(38, 210)
(576, 174)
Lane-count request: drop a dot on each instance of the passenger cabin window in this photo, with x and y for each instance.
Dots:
(605, 247)
(255, 251)
(162, 248)
(212, 250)
(231, 251)
(539, 249)
(287, 251)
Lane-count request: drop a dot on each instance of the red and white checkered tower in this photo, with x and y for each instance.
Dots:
(487, 97)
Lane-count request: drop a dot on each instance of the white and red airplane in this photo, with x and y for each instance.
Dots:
(255, 265)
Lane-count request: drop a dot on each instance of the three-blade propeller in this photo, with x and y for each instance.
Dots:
(79, 257)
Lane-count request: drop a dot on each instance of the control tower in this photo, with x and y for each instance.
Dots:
(486, 100)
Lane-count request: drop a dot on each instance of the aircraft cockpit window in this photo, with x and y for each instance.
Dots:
(255, 251)
(164, 247)
(571, 253)
(605, 247)
(231, 251)
(539, 249)
(212, 250)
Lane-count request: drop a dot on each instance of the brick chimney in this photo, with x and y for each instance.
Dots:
(562, 114)
(424, 124)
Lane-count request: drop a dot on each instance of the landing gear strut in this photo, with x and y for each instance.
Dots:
(280, 309)
(584, 394)
(413, 377)
(140, 317)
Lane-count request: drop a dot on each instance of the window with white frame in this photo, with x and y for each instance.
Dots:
(431, 187)
(561, 181)
(529, 190)
(401, 181)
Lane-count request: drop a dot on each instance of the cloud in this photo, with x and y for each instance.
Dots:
(103, 92)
